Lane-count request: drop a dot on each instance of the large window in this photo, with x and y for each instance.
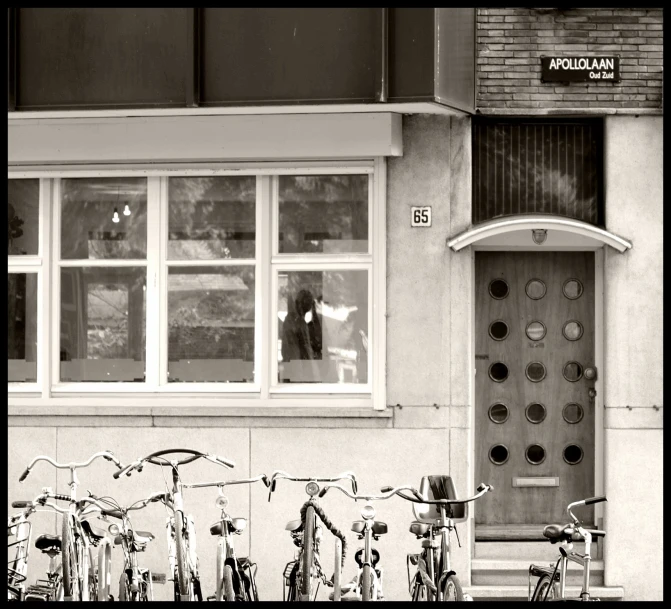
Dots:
(210, 283)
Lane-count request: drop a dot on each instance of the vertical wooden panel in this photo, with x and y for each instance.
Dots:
(11, 58)
(538, 166)
(192, 63)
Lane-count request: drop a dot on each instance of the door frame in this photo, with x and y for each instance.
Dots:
(598, 359)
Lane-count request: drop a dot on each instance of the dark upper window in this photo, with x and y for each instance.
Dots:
(543, 166)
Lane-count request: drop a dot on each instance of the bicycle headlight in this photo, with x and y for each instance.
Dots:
(113, 529)
(312, 488)
(221, 502)
(368, 512)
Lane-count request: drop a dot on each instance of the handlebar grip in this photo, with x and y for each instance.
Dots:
(24, 475)
(323, 491)
(226, 462)
(21, 504)
(117, 473)
(386, 489)
(112, 513)
(61, 497)
(592, 500)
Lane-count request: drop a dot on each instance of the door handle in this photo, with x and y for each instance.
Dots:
(591, 393)
(590, 374)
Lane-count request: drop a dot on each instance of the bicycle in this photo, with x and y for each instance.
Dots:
(300, 574)
(367, 585)
(565, 535)
(437, 510)
(135, 583)
(180, 527)
(84, 577)
(236, 577)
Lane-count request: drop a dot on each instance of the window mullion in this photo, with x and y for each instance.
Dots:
(44, 294)
(263, 344)
(153, 296)
(55, 301)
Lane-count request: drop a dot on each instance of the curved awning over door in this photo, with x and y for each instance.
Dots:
(527, 231)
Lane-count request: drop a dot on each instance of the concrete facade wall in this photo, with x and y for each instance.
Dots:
(428, 432)
(633, 375)
(512, 40)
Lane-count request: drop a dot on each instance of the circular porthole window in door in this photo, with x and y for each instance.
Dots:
(498, 413)
(499, 330)
(573, 371)
(573, 413)
(498, 372)
(498, 289)
(536, 330)
(535, 454)
(572, 289)
(535, 372)
(535, 413)
(535, 289)
(573, 454)
(498, 454)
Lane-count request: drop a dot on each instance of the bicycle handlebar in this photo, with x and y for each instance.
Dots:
(263, 478)
(195, 454)
(279, 474)
(105, 454)
(592, 500)
(356, 496)
(482, 489)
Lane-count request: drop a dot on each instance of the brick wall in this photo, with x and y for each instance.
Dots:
(511, 41)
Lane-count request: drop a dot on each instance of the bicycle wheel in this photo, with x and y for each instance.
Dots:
(229, 593)
(543, 586)
(451, 588)
(104, 572)
(182, 568)
(125, 593)
(308, 554)
(71, 587)
(367, 583)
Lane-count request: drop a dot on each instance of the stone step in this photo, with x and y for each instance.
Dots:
(521, 593)
(527, 550)
(499, 572)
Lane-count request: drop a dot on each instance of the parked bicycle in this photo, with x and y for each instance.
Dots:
(367, 585)
(135, 583)
(236, 577)
(85, 577)
(303, 575)
(437, 510)
(181, 530)
(551, 584)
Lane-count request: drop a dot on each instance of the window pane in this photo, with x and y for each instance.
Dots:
(211, 324)
(212, 218)
(103, 312)
(23, 209)
(89, 209)
(22, 327)
(323, 327)
(323, 214)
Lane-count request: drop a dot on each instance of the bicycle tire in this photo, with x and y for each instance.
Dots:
(419, 593)
(71, 587)
(451, 589)
(124, 588)
(181, 551)
(366, 583)
(541, 588)
(308, 553)
(227, 584)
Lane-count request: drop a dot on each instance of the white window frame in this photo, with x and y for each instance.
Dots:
(37, 264)
(267, 262)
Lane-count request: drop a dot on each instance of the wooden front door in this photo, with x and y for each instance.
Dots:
(534, 385)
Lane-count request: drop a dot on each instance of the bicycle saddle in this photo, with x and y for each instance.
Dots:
(95, 533)
(293, 525)
(235, 525)
(419, 528)
(136, 536)
(379, 528)
(566, 532)
(48, 542)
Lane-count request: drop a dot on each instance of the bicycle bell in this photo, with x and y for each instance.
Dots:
(312, 488)
(368, 512)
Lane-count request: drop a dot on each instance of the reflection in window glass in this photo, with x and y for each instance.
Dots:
(211, 324)
(104, 218)
(23, 221)
(323, 327)
(212, 218)
(103, 312)
(323, 214)
(22, 327)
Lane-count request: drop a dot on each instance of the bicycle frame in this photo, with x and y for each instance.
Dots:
(80, 538)
(567, 553)
(21, 527)
(225, 547)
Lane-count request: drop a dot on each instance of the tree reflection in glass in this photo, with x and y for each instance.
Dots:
(88, 229)
(323, 327)
(211, 324)
(212, 218)
(323, 214)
